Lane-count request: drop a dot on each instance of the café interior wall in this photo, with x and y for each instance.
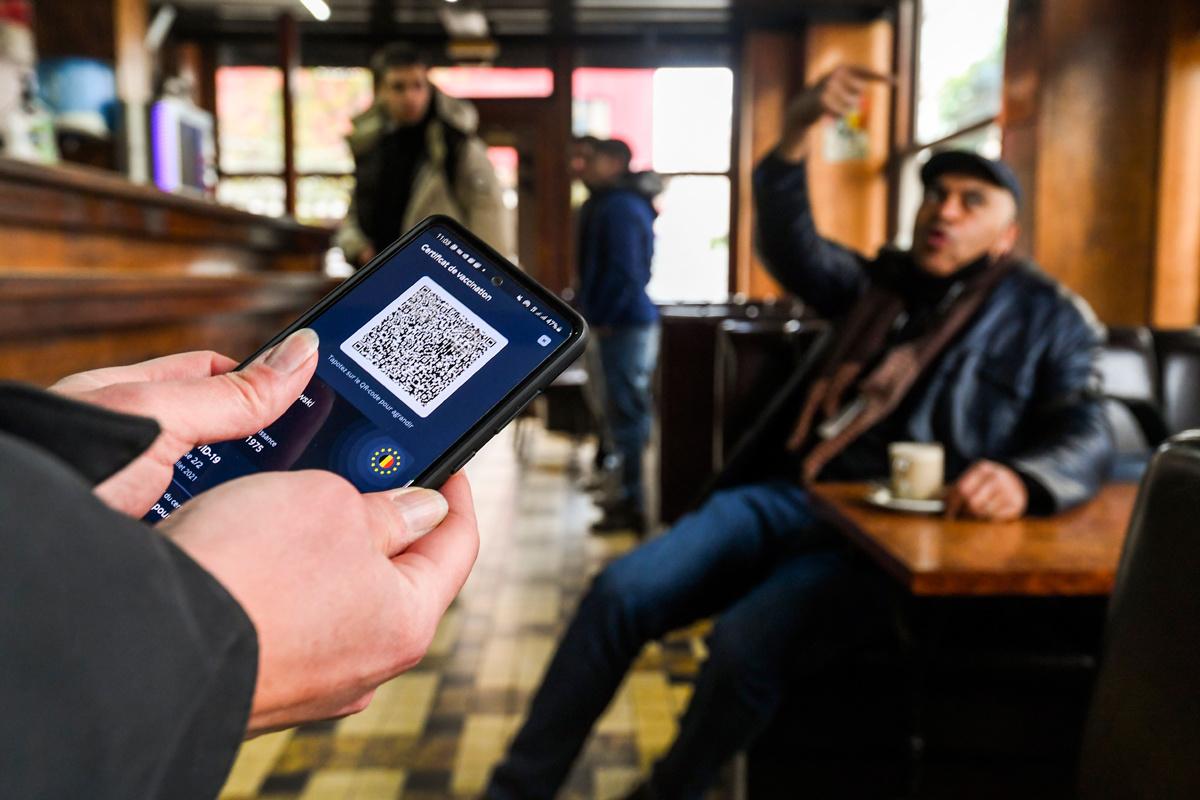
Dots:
(1100, 124)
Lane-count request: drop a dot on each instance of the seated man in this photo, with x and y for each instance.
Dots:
(953, 342)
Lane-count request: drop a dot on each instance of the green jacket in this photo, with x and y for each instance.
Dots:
(474, 199)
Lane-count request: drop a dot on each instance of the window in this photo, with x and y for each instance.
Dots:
(250, 120)
(678, 122)
(327, 99)
(959, 83)
(960, 72)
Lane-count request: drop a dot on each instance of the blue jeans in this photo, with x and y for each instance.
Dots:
(628, 355)
(790, 600)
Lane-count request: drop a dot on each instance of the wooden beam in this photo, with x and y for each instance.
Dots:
(1176, 298)
(556, 256)
(736, 170)
(289, 63)
(769, 71)
(383, 19)
(905, 43)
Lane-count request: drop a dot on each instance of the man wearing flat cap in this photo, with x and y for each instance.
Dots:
(953, 341)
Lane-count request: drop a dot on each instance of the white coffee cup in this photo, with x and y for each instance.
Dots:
(918, 470)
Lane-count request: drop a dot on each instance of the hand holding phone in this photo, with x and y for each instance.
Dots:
(424, 355)
(345, 590)
(195, 398)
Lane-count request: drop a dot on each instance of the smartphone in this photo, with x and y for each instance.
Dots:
(426, 353)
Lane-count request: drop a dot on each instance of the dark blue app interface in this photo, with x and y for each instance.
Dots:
(410, 359)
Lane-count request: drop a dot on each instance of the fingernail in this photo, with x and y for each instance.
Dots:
(422, 509)
(292, 352)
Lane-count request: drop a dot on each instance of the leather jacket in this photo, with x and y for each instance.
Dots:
(1020, 385)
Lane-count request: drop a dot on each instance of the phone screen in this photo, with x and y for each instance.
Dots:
(411, 358)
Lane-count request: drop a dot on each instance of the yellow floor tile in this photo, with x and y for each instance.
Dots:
(514, 662)
(527, 604)
(399, 708)
(618, 719)
(254, 762)
(354, 784)
(497, 669)
(680, 697)
(484, 739)
(533, 655)
(447, 633)
(613, 783)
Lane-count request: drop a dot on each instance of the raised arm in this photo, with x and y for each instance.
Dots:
(826, 275)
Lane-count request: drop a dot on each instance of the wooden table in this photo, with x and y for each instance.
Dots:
(1075, 553)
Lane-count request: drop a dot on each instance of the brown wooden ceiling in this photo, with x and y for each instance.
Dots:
(521, 18)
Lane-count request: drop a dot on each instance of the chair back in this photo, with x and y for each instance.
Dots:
(1179, 363)
(1143, 732)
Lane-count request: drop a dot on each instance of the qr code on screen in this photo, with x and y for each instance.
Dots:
(423, 346)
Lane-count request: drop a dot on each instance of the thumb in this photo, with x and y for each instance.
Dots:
(227, 406)
(239, 403)
(398, 518)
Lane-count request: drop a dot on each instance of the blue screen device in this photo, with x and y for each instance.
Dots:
(426, 353)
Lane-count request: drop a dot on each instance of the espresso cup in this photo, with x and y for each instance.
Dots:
(918, 470)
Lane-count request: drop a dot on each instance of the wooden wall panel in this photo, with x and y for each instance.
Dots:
(1097, 143)
(1176, 301)
(96, 271)
(1022, 84)
(1102, 109)
(770, 74)
(58, 324)
(56, 250)
(72, 28)
(76, 218)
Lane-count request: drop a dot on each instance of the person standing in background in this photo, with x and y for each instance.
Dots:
(605, 463)
(616, 247)
(416, 153)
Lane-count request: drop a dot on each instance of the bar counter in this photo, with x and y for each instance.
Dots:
(95, 270)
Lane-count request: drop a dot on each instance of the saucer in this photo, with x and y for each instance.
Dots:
(880, 495)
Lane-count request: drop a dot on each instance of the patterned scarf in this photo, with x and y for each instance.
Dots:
(864, 339)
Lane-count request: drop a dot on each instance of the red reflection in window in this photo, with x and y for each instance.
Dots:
(481, 82)
(616, 104)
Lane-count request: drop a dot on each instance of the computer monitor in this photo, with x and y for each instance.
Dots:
(181, 141)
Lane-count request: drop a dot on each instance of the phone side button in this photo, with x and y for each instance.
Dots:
(463, 462)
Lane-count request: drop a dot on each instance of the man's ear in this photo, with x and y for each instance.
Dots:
(1006, 241)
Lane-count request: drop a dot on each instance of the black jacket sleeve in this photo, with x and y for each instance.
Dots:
(1068, 448)
(822, 273)
(126, 670)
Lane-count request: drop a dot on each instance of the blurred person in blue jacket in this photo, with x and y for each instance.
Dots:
(616, 247)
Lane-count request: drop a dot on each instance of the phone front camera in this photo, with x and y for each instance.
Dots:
(497, 280)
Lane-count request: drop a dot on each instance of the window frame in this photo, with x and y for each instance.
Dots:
(729, 173)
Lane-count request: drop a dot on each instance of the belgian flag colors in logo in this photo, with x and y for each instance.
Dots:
(385, 461)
